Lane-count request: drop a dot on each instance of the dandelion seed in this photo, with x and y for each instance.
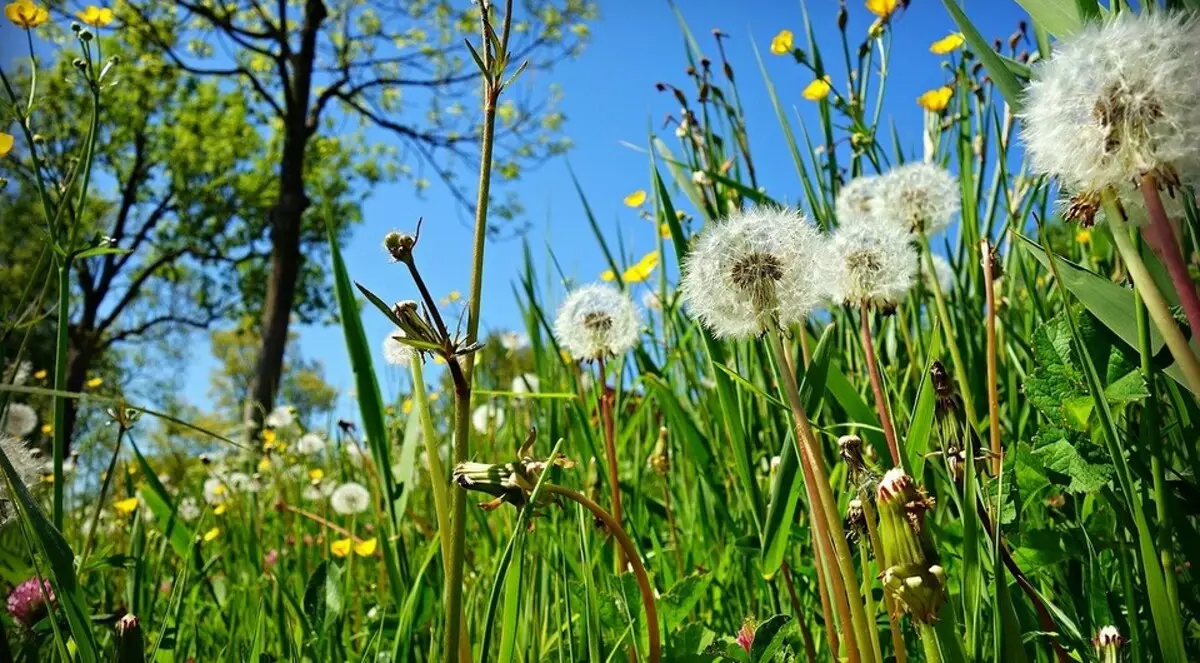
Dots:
(753, 270)
(280, 417)
(350, 498)
(310, 444)
(395, 351)
(27, 602)
(1117, 100)
(872, 262)
(188, 510)
(485, 417)
(921, 197)
(859, 199)
(818, 89)
(597, 321)
(526, 384)
(20, 420)
(783, 43)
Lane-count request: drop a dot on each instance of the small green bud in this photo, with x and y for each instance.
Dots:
(399, 245)
(86, 35)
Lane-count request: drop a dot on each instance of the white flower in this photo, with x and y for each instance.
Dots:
(215, 491)
(873, 262)
(310, 444)
(350, 498)
(858, 200)
(486, 416)
(1118, 99)
(526, 384)
(280, 417)
(943, 272)
(513, 341)
(19, 373)
(20, 420)
(754, 269)
(597, 321)
(188, 510)
(701, 178)
(395, 351)
(327, 487)
(921, 197)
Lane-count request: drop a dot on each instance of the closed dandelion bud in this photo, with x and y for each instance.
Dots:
(399, 245)
(856, 521)
(912, 575)
(79, 63)
(843, 17)
(86, 35)
(75, 27)
(131, 646)
(850, 449)
(1108, 643)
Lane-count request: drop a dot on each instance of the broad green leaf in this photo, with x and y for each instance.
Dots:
(323, 596)
(1060, 18)
(155, 495)
(1008, 85)
(681, 599)
(1063, 458)
(767, 640)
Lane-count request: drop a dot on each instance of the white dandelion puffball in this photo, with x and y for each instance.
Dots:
(311, 493)
(239, 482)
(921, 197)
(23, 459)
(651, 300)
(19, 373)
(485, 417)
(350, 498)
(215, 491)
(1118, 99)
(943, 272)
(395, 351)
(526, 384)
(753, 269)
(858, 200)
(597, 321)
(189, 509)
(280, 417)
(310, 444)
(871, 262)
(19, 420)
(513, 341)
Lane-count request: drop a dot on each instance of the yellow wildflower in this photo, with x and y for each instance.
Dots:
(882, 8)
(948, 44)
(608, 275)
(97, 17)
(48, 478)
(454, 296)
(936, 101)
(220, 509)
(25, 14)
(1084, 236)
(664, 230)
(212, 534)
(434, 396)
(316, 474)
(782, 43)
(366, 548)
(818, 89)
(642, 269)
(47, 429)
(635, 199)
(6, 144)
(264, 464)
(126, 506)
(218, 489)
(40, 375)
(95, 382)
(407, 406)
(341, 547)
(269, 437)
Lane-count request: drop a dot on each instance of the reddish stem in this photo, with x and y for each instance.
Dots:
(1161, 239)
(885, 419)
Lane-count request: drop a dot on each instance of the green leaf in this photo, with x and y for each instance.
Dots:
(1060, 18)
(920, 427)
(155, 495)
(1063, 458)
(323, 596)
(1008, 85)
(767, 640)
(681, 599)
(100, 251)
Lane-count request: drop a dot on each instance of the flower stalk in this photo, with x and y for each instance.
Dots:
(1160, 235)
(881, 404)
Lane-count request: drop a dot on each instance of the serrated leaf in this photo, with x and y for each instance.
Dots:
(681, 599)
(767, 638)
(1062, 457)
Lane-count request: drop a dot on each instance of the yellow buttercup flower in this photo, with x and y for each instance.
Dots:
(6, 145)
(47, 429)
(341, 547)
(608, 275)
(454, 296)
(95, 382)
(664, 230)
(220, 509)
(635, 199)
(94, 16)
(817, 90)
(25, 14)
(642, 269)
(126, 506)
(407, 406)
(316, 474)
(218, 489)
(366, 548)
(882, 8)
(948, 44)
(434, 396)
(48, 478)
(264, 464)
(936, 101)
(40, 375)
(1084, 236)
(782, 43)
(212, 534)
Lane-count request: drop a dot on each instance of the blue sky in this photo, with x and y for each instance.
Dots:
(611, 99)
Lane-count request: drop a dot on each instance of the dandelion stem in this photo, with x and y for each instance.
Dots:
(610, 453)
(95, 521)
(810, 650)
(1161, 237)
(881, 404)
(960, 367)
(639, 571)
(989, 288)
(888, 602)
(1156, 306)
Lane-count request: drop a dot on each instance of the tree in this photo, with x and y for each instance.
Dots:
(183, 182)
(309, 67)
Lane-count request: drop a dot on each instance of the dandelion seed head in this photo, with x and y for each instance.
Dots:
(873, 262)
(484, 417)
(28, 468)
(310, 444)
(280, 417)
(921, 197)
(20, 420)
(597, 321)
(859, 199)
(350, 498)
(215, 491)
(751, 270)
(942, 272)
(1119, 99)
(189, 509)
(395, 351)
(526, 384)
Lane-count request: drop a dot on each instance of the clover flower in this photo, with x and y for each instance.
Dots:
(395, 351)
(350, 499)
(19, 420)
(753, 270)
(1117, 100)
(871, 262)
(858, 200)
(27, 601)
(597, 321)
(921, 197)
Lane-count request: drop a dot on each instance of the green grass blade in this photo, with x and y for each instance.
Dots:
(1008, 85)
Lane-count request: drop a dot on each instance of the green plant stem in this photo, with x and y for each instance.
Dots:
(1156, 306)
(960, 367)
(881, 404)
(608, 425)
(993, 387)
(95, 521)
(831, 633)
(639, 571)
(888, 602)
(825, 508)
(929, 641)
(61, 352)
(810, 649)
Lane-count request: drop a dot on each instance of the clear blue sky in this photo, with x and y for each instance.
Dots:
(610, 98)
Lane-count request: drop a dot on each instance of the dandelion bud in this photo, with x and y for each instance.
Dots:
(843, 17)
(997, 45)
(691, 71)
(912, 576)
(86, 35)
(399, 245)
(1108, 643)
(976, 68)
(131, 646)
(76, 27)
(79, 63)
(856, 521)
(1013, 40)
(679, 96)
(706, 63)
(412, 324)
(728, 68)
(850, 449)
(660, 87)
(114, 60)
